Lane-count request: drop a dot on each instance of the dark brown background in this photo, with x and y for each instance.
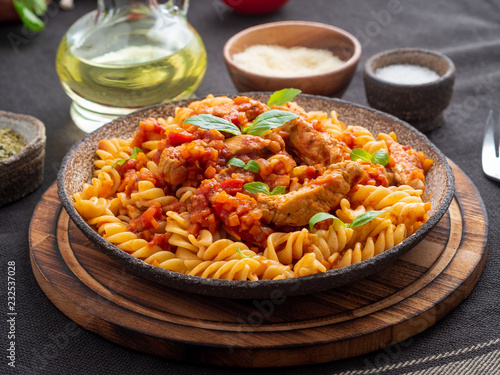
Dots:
(468, 32)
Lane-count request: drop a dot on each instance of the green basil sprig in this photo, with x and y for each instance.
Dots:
(236, 162)
(28, 11)
(378, 157)
(269, 120)
(260, 187)
(133, 156)
(358, 221)
(283, 96)
(213, 122)
(252, 165)
(262, 123)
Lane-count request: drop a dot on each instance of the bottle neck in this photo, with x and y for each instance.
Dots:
(174, 7)
(107, 5)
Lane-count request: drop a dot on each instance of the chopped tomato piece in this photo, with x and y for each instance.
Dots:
(129, 164)
(176, 138)
(149, 219)
(160, 240)
(312, 172)
(232, 186)
(148, 130)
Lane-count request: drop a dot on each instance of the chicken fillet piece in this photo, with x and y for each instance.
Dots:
(321, 195)
(313, 146)
(407, 167)
(253, 146)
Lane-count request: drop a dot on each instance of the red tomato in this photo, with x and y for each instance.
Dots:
(178, 138)
(255, 6)
(148, 219)
(160, 240)
(232, 186)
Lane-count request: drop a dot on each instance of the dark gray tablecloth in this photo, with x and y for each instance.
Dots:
(465, 341)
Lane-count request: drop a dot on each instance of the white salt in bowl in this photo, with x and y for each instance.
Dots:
(419, 103)
(291, 34)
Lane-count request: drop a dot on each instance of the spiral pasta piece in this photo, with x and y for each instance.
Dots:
(308, 265)
(375, 244)
(235, 269)
(147, 193)
(90, 208)
(112, 149)
(359, 135)
(374, 146)
(331, 241)
(293, 248)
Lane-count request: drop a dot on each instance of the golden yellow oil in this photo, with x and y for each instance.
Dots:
(138, 70)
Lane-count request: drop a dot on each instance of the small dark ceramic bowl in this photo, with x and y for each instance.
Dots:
(77, 169)
(290, 34)
(22, 173)
(421, 105)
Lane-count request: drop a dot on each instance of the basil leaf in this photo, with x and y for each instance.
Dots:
(320, 216)
(135, 152)
(38, 6)
(257, 187)
(29, 19)
(236, 162)
(278, 190)
(270, 120)
(359, 153)
(213, 122)
(120, 161)
(253, 166)
(364, 218)
(380, 157)
(241, 253)
(281, 97)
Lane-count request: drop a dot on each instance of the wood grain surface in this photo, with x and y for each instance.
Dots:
(386, 308)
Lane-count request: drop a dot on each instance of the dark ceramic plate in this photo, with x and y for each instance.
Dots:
(77, 168)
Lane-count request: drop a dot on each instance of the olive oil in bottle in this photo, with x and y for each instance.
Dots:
(135, 55)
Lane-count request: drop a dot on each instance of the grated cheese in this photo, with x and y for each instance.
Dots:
(277, 61)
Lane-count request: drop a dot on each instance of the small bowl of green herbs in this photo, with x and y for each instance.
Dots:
(22, 152)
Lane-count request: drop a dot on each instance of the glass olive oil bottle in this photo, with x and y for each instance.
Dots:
(136, 54)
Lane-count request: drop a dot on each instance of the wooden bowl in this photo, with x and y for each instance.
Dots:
(422, 105)
(293, 34)
(78, 167)
(22, 173)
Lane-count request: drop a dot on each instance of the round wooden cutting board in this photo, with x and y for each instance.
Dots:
(388, 307)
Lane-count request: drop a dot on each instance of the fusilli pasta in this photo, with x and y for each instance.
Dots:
(178, 203)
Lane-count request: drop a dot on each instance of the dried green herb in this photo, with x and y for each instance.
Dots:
(10, 143)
